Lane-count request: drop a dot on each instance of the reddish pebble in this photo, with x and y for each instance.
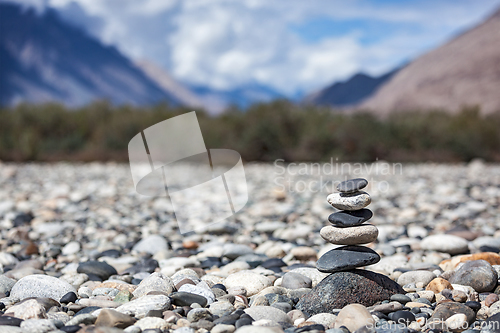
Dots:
(190, 245)
(490, 299)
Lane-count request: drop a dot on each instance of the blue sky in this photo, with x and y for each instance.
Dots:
(293, 46)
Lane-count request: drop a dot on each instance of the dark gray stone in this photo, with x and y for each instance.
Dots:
(10, 321)
(69, 297)
(342, 288)
(220, 286)
(473, 305)
(228, 319)
(109, 253)
(283, 306)
(145, 265)
(446, 310)
(352, 185)
(273, 262)
(253, 259)
(293, 280)
(402, 317)
(182, 298)
(492, 324)
(87, 310)
(346, 258)
(423, 301)
(101, 269)
(242, 322)
(478, 274)
(346, 218)
(310, 328)
(71, 328)
(403, 299)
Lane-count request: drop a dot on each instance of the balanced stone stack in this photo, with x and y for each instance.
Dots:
(349, 228)
(347, 284)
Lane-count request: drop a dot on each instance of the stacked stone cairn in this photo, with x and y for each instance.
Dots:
(347, 284)
(349, 229)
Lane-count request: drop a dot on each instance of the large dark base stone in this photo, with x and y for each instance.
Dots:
(342, 288)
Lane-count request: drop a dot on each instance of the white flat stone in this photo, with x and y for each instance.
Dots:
(363, 234)
(349, 201)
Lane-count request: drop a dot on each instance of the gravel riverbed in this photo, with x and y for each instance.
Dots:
(81, 251)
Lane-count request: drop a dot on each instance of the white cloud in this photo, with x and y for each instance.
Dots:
(152, 7)
(225, 43)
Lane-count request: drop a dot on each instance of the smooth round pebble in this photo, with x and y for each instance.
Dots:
(415, 277)
(40, 286)
(445, 243)
(478, 274)
(354, 316)
(457, 322)
(403, 299)
(293, 280)
(151, 244)
(252, 281)
(269, 313)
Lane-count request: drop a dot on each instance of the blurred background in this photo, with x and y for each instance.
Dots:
(405, 81)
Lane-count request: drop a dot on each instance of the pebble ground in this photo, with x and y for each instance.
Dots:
(80, 251)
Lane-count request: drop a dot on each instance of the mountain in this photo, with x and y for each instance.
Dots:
(463, 72)
(213, 100)
(45, 59)
(349, 92)
(218, 100)
(166, 82)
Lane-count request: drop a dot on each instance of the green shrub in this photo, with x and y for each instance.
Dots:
(264, 132)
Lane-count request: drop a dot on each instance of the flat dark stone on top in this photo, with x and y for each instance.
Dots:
(346, 218)
(352, 185)
(346, 258)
